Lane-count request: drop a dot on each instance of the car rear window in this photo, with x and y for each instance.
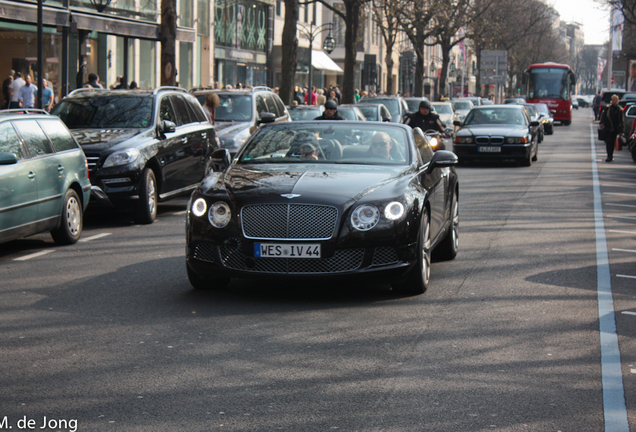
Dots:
(58, 134)
(9, 141)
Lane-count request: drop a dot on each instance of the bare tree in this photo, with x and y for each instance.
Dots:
(351, 16)
(289, 47)
(386, 14)
(168, 37)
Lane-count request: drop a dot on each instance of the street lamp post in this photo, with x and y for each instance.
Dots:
(328, 45)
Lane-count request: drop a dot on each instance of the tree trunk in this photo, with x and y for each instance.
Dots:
(444, 74)
(289, 47)
(419, 72)
(352, 8)
(168, 37)
(389, 69)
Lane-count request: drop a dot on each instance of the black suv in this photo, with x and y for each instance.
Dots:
(240, 113)
(142, 146)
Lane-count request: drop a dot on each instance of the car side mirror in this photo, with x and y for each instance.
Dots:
(457, 123)
(267, 117)
(167, 127)
(534, 123)
(443, 159)
(8, 159)
(220, 159)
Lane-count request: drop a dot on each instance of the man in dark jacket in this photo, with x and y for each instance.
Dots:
(596, 105)
(425, 119)
(331, 112)
(613, 122)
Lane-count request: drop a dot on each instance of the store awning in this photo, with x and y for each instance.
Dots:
(320, 60)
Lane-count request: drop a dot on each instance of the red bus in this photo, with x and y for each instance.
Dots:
(551, 83)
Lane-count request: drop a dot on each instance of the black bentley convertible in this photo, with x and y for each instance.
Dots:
(322, 199)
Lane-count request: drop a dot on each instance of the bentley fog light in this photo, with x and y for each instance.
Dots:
(219, 214)
(199, 207)
(365, 217)
(394, 211)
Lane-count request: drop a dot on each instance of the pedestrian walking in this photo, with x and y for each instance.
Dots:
(596, 106)
(27, 93)
(612, 121)
(16, 85)
(93, 81)
(47, 96)
(6, 89)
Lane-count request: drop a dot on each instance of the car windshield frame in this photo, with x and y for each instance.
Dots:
(107, 111)
(335, 142)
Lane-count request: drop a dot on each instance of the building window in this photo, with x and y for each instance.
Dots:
(279, 7)
(314, 13)
(241, 25)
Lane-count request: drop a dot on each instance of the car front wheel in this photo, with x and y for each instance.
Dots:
(418, 277)
(145, 210)
(449, 246)
(71, 222)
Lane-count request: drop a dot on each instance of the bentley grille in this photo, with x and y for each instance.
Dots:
(289, 221)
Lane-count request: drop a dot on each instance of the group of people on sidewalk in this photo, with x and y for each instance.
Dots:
(21, 92)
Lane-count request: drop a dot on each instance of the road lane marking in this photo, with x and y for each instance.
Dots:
(619, 185)
(614, 407)
(628, 313)
(34, 255)
(622, 217)
(180, 212)
(618, 193)
(621, 205)
(626, 276)
(95, 237)
(623, 232)
(623, 250)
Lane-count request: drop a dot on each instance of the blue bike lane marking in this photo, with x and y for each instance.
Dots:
(614, 408)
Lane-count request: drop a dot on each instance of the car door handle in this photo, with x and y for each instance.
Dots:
(31, 175)
(184, 140)
(204, 135)
(60, 168)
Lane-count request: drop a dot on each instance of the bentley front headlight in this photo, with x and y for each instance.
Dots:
(219, 214)
(365, 217)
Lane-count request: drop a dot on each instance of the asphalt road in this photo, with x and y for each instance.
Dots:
(107, 335)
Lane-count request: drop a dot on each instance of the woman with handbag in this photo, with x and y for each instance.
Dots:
(612, 122)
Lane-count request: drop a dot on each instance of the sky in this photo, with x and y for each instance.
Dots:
(593, 16)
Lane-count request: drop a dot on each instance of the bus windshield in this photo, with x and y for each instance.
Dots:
(549, 83)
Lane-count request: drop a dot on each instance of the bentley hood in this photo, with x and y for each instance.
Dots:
(305, 183)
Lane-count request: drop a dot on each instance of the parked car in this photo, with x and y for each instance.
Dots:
(142, 146)
(413, 103)
(630, 116)
(497, 132)
(241, 111)
(44, 182)
(534, 116)
(305, 112)
(294, 204)
(351, 112)
(395, 104)
(546, 117)
(375, 112)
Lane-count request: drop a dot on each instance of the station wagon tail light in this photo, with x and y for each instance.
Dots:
(394, 210)
(219, 214)
(365, 217)
(199, 207)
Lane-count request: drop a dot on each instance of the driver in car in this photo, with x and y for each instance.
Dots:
(381, 145)
(309, 152)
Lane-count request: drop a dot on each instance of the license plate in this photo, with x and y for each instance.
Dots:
(489, 149)
(286, 250)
